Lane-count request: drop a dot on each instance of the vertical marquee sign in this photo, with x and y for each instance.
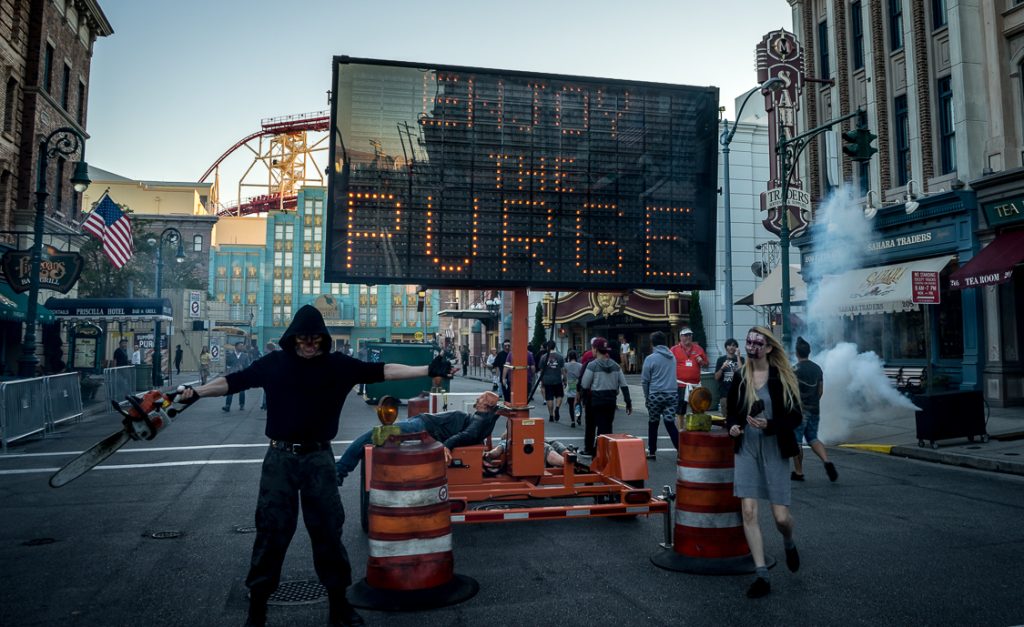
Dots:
(454, 176)
(780, 54)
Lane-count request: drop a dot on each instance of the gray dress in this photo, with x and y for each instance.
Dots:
(761, 470)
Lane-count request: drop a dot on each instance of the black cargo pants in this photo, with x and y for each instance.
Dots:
(289, 479)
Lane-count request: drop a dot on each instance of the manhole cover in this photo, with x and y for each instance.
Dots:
(38, 541)
(298, 593)
(245, 529)
(165, 535)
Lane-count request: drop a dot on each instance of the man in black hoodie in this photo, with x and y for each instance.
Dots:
(306, 386)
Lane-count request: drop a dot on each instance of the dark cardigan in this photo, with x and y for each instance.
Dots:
(783, 421)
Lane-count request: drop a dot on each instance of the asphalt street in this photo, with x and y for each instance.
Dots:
(893, 542)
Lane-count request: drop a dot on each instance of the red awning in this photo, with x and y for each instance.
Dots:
(993, 265)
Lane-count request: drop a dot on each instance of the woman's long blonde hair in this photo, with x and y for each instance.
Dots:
(777, 358)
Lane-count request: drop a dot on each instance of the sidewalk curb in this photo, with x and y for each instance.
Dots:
(965, 461)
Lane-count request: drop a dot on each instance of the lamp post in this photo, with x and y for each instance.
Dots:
(175, 236)
(66, 142)
(771, 84)
(789, 151)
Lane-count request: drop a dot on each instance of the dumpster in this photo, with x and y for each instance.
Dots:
(944, 415)
(143, 378)
(399, 353)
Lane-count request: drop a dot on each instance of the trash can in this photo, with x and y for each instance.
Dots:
(945, 415)
(399, 353)
(143, 378)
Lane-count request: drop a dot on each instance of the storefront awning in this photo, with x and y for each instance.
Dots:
(769, 292)
(993, 265)
(111, 309)
(13, 306)
(882, 289)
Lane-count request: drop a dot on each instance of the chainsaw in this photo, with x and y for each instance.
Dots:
(144, 417)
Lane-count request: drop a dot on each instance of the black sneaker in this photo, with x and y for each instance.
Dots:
(342, 614)
(225, 409)
(792, 560)
(795, 477)
(653, 456)
(830, 470)
(759, 588)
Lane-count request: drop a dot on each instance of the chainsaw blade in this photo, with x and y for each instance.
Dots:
(89, 459)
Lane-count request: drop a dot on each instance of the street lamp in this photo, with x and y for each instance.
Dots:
(772, 84)
(66, 142)
(174, 236)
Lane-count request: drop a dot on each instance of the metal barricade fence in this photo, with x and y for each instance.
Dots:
(119, 382)
(63, 398)
(22, 409)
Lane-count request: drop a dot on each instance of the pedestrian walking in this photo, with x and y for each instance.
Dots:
(178, 354)
(236, 361)
(573, 369)
(464, 355)
(761, 414)
(812, 386)
(306, 388)
(602, 381)
(490, 368)
(121, 354)
(204, 365)
(690, 358)
(658, 380)
(725, 370)
(552, 377)
(137, 356)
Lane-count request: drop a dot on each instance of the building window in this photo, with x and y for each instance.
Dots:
(65, 87)
(947, 130)
(823, 71)
(10, 102)
(939, 18)
(857, 35)
(197, 243)
(895, 25)
(48, 68)
(81, 103)
(901, 117)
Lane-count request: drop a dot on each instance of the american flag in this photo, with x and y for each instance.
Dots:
(111, 226)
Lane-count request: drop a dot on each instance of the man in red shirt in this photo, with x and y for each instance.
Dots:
(690, 358)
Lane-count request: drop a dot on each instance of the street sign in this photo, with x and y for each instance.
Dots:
(194, 299)
(482, 177)
(925, 288)
(215, 352)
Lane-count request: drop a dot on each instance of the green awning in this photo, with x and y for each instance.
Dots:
(13, 306)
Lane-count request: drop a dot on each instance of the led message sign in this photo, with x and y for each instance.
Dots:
(451, 176)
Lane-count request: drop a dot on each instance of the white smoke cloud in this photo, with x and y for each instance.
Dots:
(858, 397)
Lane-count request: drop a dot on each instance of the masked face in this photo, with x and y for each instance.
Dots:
(757, 346)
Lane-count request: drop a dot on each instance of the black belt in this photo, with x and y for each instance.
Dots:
(300, 448)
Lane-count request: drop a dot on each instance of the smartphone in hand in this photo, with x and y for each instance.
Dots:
(756, 408)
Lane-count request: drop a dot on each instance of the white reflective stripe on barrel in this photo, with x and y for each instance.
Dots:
(708, 521)
(408, 498)
(704, 475)
(400, 548)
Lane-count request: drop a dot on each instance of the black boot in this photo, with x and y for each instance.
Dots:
(342, 614)
(257, 611)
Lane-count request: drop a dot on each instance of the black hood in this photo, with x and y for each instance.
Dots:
(307, 321)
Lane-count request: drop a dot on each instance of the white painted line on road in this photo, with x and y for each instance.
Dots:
(29, 471)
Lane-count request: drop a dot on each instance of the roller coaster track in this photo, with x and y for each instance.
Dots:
(270, 127)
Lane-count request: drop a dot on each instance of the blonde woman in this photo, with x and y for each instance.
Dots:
(762, 411)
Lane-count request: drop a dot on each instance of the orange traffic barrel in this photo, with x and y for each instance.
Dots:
(708, 533)
(410, 565)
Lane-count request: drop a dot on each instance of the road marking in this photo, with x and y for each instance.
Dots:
(30, 471)
(877, 448)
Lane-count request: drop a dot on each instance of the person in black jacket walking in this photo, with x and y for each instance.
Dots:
(306, 387)
(601, 382)
(762, 411)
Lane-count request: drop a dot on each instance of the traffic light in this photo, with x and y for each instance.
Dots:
(857, 144)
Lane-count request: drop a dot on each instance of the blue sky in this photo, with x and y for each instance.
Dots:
(178, 83)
